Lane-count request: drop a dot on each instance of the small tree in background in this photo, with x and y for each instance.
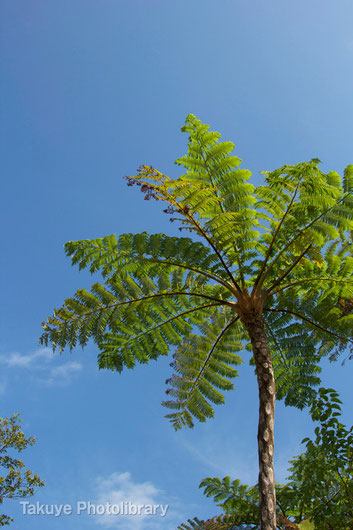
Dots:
(17, 482)
(270, 271)
(319, 490)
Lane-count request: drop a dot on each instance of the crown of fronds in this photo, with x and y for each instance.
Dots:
(287, 242)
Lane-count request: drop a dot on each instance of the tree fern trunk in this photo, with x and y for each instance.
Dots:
(266, 384)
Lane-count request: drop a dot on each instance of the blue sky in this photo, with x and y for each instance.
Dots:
(91, 89)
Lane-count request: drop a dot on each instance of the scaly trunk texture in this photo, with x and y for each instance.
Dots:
(266, 384)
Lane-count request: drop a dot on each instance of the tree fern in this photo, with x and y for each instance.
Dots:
(269, 269)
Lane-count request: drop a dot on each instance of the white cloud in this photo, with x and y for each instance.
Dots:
(64, 372)
(26, 361)
(120, 488)
(40, 362)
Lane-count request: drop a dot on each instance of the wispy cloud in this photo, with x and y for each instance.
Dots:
(238, 458)
(40, 362)
(232, 460)
(120, 488)
(15, 359)
(64, 373)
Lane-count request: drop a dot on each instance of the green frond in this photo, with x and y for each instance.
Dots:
(348, 179)
(306, 325)
(204, 365)
(212, 186)
(304, 207)
(144, 257)
(220, 192)
(132, 319)
(295, 359)
(137, 253)
(237, 500)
